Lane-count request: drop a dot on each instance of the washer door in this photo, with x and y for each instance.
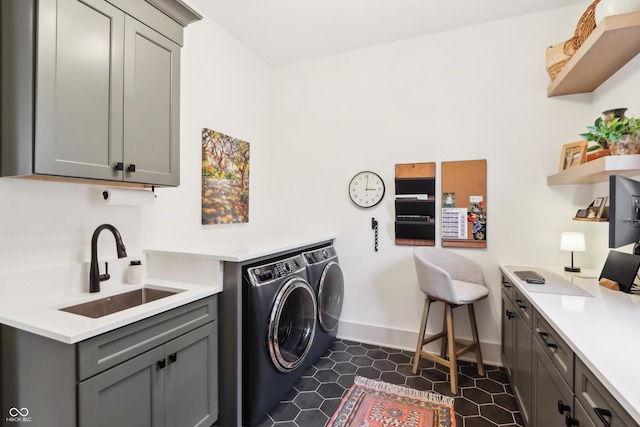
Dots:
(292, 324)
(330, 295)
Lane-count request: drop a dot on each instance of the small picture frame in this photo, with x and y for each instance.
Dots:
(582, 213)
(601, 203)
(573, 154)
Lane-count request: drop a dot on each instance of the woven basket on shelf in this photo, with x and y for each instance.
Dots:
(558, 55)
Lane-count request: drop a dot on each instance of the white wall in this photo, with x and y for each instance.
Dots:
(474, 93)
(226, 88)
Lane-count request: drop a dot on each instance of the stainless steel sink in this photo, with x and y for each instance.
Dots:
(119, 302)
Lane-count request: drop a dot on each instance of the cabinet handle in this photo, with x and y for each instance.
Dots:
(506, 284)
(173, 358)
(162, 363)
(562, 407)
(509, 314)
(520, 304)
(568, 421)
(602, 413)
(544, 337)
(131, 168)
(119, 166)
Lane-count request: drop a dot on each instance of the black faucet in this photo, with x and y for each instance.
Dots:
(94, 271)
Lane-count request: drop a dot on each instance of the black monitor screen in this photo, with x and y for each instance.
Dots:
(624, 211)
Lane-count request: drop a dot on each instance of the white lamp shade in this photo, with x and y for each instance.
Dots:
(572, 242)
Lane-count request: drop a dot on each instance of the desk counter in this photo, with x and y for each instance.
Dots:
(602, 329)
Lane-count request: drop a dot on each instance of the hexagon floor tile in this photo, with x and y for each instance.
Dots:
(482, 402)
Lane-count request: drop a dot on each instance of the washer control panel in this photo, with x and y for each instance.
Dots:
(283, 268)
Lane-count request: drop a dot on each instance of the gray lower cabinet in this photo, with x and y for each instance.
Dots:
(553, 398)
(91, 92)
(553, 387)
(602, 408)
(168, 384)
(161, 371)
(516, 347)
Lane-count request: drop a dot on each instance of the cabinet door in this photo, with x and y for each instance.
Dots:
(508, 328)
(552, 398)
(523, 370)
(151, 106)
(192, 378)
(130, 394)
(79, 89)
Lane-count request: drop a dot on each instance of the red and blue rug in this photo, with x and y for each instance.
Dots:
(374, 403)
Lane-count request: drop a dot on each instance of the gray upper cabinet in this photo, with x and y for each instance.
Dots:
(79, 95)
(92, 90)
(151, 106)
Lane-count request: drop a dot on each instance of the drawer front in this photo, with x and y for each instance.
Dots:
(112, 348)
(580, 415)
(558, 351)
(524, 307)
(508, 287)
(599, 404)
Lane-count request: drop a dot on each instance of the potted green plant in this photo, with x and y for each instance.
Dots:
(618, 134)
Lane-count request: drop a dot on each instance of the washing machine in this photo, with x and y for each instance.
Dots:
(279, 324)
(325, 277)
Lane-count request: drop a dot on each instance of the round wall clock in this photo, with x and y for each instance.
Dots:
(366, 189)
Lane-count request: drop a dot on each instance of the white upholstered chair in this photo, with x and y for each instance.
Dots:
(455, 280)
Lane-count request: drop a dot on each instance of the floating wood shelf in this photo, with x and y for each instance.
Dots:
(591, 219)
(613, 43)
(597, 170)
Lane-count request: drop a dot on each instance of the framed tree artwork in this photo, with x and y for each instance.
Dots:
(225, 179)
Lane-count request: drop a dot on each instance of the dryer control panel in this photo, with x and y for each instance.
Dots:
(269, 272)
(320, 255)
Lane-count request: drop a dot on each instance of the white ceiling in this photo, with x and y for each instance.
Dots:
(287, 31)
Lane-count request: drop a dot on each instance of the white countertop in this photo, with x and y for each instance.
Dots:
(241, 251)
(43, 316)
(31, 300)
(602, 330)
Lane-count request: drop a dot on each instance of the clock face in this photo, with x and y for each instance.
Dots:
(366, 189)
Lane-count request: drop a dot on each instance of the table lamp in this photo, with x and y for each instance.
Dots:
(573, 242)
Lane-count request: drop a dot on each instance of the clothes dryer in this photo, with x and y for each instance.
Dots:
(279, 324)
(325, 276)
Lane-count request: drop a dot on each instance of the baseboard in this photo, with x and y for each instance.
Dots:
(406, 340)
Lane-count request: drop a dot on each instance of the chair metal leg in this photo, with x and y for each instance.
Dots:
(474, 332)
(453, 365)
(423, 327)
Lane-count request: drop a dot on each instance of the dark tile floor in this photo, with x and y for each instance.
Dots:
(482, 402)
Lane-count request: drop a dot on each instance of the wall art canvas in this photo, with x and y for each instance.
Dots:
(225, 179)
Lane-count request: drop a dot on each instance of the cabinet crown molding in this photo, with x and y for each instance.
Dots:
(177, 10)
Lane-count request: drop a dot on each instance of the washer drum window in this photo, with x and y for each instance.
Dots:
(292, 324)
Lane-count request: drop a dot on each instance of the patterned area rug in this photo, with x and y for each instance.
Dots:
(374, 403)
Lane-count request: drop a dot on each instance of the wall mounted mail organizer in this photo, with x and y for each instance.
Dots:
(415, 204)
(464, 204)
